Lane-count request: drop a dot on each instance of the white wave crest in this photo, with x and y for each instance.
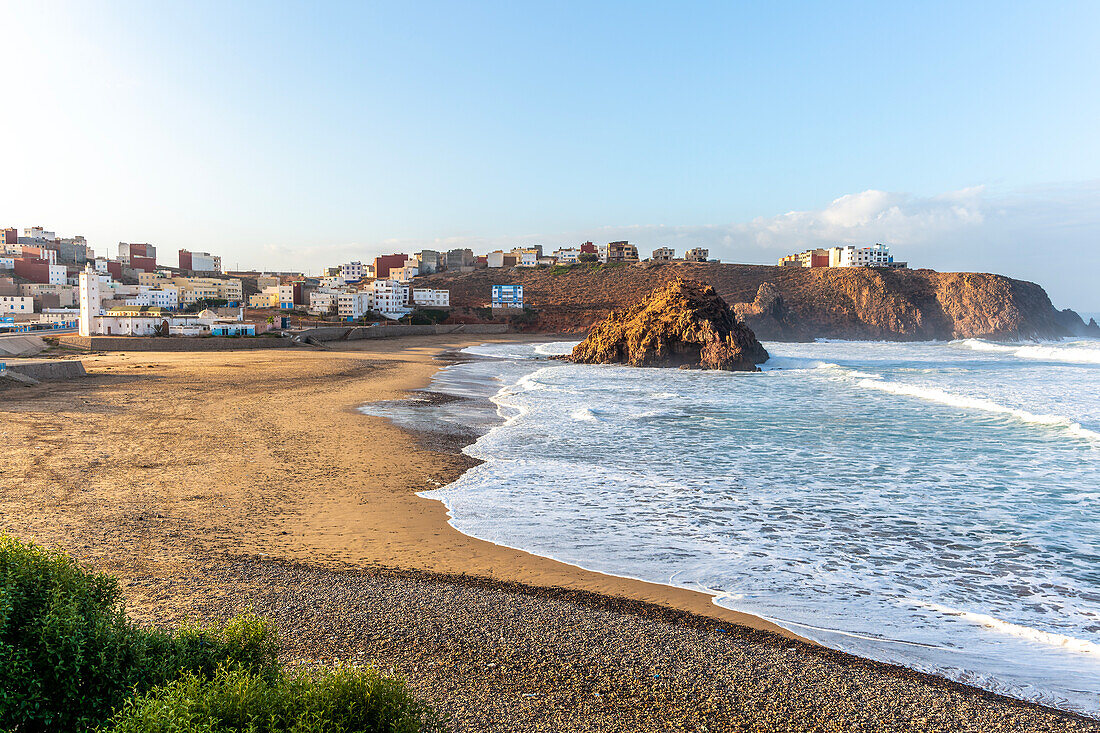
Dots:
(584, 414)
(1077, 352)
(976, 403)
(1047, 638)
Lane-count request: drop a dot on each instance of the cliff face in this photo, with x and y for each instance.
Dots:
(790, 303)
(683, 324)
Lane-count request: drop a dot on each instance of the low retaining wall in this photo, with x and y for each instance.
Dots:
(181, 343)
(49, 370)
(354, 333)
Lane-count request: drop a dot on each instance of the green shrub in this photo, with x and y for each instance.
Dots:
(69, 656)
(329, 701)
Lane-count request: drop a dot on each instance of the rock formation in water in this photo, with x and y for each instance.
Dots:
(683, 324)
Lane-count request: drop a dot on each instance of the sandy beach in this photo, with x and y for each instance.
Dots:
(209, 482)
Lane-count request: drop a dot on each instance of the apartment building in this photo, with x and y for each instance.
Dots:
(324, 302)
(507, 296)
(663, 254)
(353, 304)
(138, 256)
(877, 255)
(352, 271)
(390, 298)
(429, 298)
(199, 261)
(697, 254)
(621, 252)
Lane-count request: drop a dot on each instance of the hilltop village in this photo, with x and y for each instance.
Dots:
(52, 283)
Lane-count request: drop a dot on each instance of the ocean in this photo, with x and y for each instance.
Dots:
(933, 505)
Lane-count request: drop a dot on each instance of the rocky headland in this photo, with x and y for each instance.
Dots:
(786, 303)
(682, 324)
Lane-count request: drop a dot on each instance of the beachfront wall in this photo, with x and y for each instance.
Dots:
(336, 333)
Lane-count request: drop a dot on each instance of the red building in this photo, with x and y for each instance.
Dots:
(35, 269)
(589, 248)
(115, 269)
(383, 264)
(145, 264)
(9, 236)
(185, 259)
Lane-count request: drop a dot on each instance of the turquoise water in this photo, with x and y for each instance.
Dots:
(933, 504)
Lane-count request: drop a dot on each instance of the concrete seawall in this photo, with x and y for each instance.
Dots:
(50, 370)
(354, 333)
(147, 343)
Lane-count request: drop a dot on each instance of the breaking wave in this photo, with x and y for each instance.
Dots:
(977, 403)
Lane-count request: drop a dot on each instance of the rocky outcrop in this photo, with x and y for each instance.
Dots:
(683, 324)
(787, 303)
(768, 313)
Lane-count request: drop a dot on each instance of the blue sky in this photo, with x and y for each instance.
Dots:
(296, 135)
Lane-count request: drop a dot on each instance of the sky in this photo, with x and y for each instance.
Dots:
(295, 136)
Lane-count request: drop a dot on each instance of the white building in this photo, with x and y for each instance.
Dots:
(16, 304)
(567, 256)
(323, 302)
(390, 298)
(526, 257)
(62, 316)
(428, 298)
(877, 255)
(353, 304)
(495, 259)
(333, 282)
(7, 263)
(352, 271)
(157, 297)
(664, 254)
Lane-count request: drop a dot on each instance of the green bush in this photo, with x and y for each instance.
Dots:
(69, 656)
(329, 701)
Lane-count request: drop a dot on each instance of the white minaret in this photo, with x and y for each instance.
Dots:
(89, 301)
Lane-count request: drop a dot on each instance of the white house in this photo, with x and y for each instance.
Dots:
(428, 298)
(16, 304)
(7, 263)
(567, 256)
(157, 297)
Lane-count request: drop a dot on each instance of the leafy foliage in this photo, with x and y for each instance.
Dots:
(70, 658)
(328, 701)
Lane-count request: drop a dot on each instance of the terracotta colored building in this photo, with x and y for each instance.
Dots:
(35, 269)
(383, 264)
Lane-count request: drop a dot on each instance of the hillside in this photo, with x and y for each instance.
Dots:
(793, 304)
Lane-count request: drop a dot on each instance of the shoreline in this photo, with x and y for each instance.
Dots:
(210, 483)
(712, 612)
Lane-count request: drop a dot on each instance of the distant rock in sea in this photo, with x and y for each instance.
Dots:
(682, 324)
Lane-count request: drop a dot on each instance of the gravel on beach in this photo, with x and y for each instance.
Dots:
(498, 656)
